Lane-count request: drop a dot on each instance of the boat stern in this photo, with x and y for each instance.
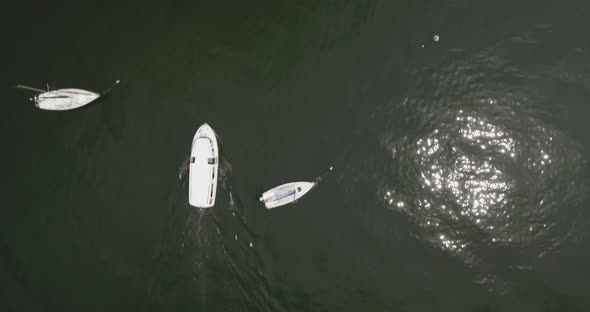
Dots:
(267, 196)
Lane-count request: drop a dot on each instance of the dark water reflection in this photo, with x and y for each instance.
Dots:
(461, 163)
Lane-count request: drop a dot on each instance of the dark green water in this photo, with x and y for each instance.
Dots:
(461, 177)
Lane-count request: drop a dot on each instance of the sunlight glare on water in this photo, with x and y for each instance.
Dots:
(488, 173)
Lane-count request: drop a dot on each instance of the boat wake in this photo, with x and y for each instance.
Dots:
(218, 249)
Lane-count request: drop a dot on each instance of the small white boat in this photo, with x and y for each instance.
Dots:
(289, 192)
(63, 99)
(203, 167)
(286, 194)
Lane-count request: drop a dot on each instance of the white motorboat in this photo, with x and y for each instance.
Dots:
(64, 99)
(203, 168)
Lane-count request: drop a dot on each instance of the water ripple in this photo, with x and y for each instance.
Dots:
(488, 172)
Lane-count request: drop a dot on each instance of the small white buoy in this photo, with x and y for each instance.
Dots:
(251, 244)
(436, 38)
(422, 46)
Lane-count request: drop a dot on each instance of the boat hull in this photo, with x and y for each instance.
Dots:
(64, 99)
(203, 168)
(285, 194)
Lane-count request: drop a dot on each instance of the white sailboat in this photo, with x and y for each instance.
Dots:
(289, 192)
(64, 99)
(285, 194)
(203, 168)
